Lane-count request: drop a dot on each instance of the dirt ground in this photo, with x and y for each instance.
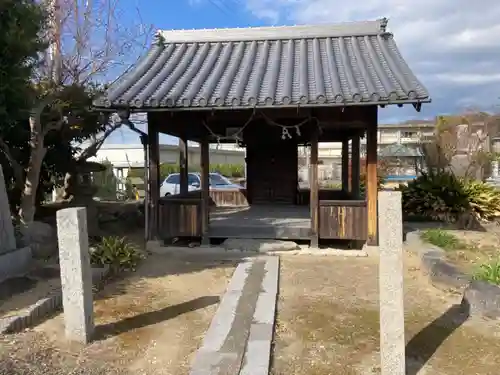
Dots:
(479, 246)
(149, 322)
(328, 322)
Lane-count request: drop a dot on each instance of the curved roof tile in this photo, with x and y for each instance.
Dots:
(346, 64)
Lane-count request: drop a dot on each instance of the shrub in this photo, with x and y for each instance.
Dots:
(489, 272)
(442, 239)
(435, 196)
(117, 253)
(444, 197)
(484, 200)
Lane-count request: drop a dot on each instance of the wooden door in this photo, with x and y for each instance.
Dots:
(272, 173)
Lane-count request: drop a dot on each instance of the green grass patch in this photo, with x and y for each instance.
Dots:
(442, 239)
(489, 272)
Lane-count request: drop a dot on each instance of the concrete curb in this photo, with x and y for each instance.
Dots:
(43, 308)
(255, 356)
(479, 298)
(208, 356)
(482, 299)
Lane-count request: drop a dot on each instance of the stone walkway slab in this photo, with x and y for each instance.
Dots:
(239, 338)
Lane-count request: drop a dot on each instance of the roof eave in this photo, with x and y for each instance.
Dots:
(113, 108)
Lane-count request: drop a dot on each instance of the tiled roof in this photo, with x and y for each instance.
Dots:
(344, 64)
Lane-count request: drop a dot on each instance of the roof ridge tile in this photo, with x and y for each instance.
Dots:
(237, 34)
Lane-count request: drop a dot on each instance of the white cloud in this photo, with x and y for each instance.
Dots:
(469, 79)
(448, 43)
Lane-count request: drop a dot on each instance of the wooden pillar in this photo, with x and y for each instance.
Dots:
(205, 191)
(154, 179)
(183, 165)
(345, 165)
(371, 182)
(314, 186)
(355, 167)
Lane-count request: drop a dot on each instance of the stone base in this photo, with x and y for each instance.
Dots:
(260, 246)
(15, 263)
(482, 299)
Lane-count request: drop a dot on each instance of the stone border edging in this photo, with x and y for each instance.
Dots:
(432, 258)
(208, 354)
(35, 313)
(257, 358)
(256, 355)
(479, 298)
(160, 249)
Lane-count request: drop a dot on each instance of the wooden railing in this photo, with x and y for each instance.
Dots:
(304, 195)
(229, 197)
(218, 197)
(343, 219)
(180, 217)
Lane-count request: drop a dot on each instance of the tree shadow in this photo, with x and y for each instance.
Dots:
(147, 319)
(425, 343)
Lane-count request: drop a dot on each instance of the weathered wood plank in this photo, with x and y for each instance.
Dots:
(343, 220)
(154, 179)
(180, 217)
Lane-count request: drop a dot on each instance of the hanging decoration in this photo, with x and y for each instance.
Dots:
(285, 129)
(236, 136)
(285, 133)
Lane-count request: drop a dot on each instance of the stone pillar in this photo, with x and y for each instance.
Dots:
(494, 169)
(7, 236)
(76, 274)
(392, 327)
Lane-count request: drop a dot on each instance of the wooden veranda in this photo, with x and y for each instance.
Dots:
(271, 90)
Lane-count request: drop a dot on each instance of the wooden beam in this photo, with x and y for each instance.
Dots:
(190, 123)
(355, 167)
(371, 182)
(183, 165)
(345, 164)
(314, 185)
(205, 190)
(154, 179)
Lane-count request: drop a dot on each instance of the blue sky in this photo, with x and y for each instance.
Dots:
(452, 45)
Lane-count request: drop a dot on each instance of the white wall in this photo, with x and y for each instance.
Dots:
(124, 156)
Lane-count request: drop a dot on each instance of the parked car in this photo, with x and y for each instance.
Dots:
(171, 185)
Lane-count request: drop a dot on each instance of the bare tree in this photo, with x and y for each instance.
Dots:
(462, 144)
(90, 42)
